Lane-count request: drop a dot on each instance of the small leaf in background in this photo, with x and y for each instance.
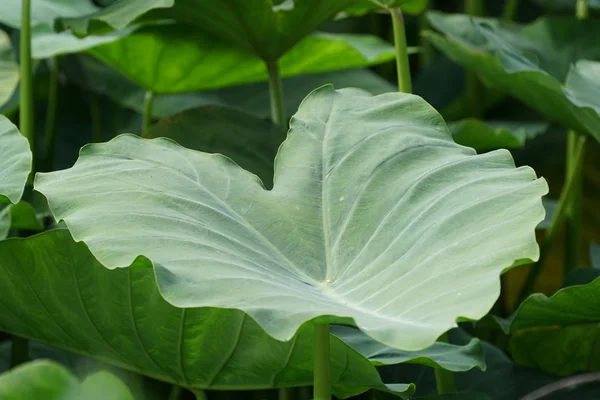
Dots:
(491, 135)
(558, 334)
(49, 380)
(44, 12)
(334, 237)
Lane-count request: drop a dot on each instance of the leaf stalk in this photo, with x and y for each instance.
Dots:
(402, 62)
(276, 93)
(444, 379)
(26, 70)
(322, 363)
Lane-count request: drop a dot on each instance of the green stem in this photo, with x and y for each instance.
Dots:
(147, 116)
(96, 119)
(566, 197)
(200, 395)
(50, 131)
(285, 394)
(582, 9)
(573, 223)
(26, 107)
(426, 52)
(322, 369)
(402, 64)
(176, 392)
(510, 9)
(276, 94)
(20, 351)
(473, 88)
(444, 380)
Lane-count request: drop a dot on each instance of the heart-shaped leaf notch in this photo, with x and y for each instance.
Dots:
(376, 218)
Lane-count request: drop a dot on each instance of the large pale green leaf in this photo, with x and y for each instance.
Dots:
(9, 70)
(440, 355)
(44, 12)
(489, 135)
(264, 27)
(364, 187)
(171, 58)
(252, 99)
(120, 318)
(15, 162)
(529, 62)
(49, 380)
(559, 334)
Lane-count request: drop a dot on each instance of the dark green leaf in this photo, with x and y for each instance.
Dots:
(489, 135)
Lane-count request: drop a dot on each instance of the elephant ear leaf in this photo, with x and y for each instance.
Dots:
(15, 162)
(376, 218)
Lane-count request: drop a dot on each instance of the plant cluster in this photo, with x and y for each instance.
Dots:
(230, 199)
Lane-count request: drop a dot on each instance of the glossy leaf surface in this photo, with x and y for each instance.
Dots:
(529, 62)
(340, 237)
(266, 28)
(120, 318)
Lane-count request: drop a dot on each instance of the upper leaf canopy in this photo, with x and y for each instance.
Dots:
(375, 217)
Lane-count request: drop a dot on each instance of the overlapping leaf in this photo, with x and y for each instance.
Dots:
(9, 70)
(489, 135)
(75, 304)
(45, 12)
(264, 27)
(365, 6)
(15, 162)
(529, 62)
(340, 237)
(50, 381)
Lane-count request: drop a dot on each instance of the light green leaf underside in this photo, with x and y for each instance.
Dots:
(250, 141)
(9, 69)
(256, 25)
(252, 98)
(376, 216)
(559, 334)
(529, 62)
(490, 135)
(440, 355)
(171, 58)
(44, 12)
(120, 318)
(49, 380)
(15, 162)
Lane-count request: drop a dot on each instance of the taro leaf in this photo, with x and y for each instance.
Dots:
(366, 6)
(44, 12)
(18, 216)
(440, 355)
(258, 26)
(252, 99)
(15, 162)
(251, 142)
(489, 135)
(363, 187)
(529, 62)
(9, 70)
(168, 58)
(119, 317)
(559, 334)
(49, 380)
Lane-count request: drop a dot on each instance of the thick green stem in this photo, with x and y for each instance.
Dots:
(147, 116)
(176, 392)
(96, 119)
(322, 369)
(20, 351)
(50, 131)
(402, 64)
(26, 107)
(426, 52)
(567, 194)
(573, 223)
(276, 94)
(285, 394)
(444, 380)
(474, 89)
(510, 9)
